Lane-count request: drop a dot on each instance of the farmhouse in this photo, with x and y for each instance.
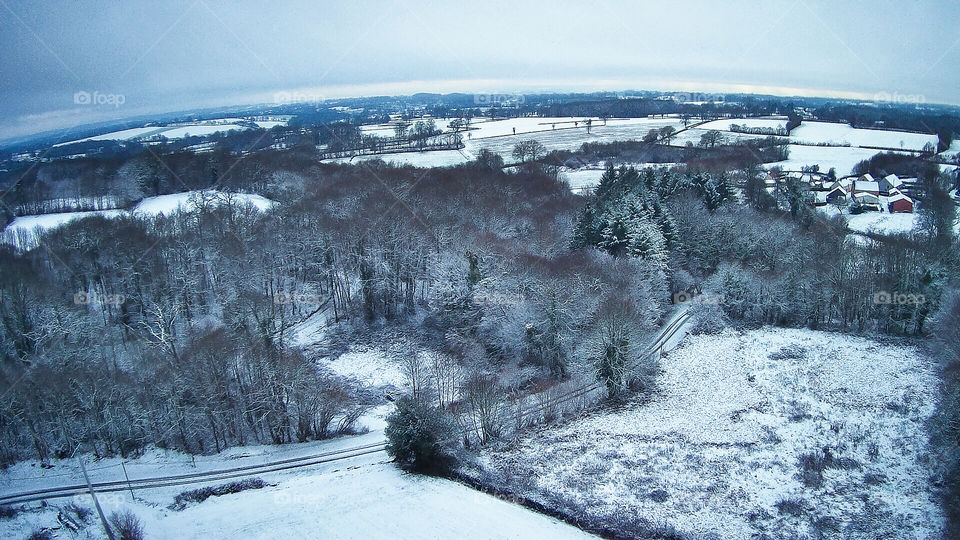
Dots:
(867, 201)
(865, 184)
(837, 194)
(888, 183)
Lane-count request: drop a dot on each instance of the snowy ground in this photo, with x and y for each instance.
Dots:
(25, 230)
(199, 130)
(720, 449)
(882, 223)
(561, 133)
(202, 128)
(436, 158)
(833, 133)
(841, 158)
(364, 497)
(771, 122)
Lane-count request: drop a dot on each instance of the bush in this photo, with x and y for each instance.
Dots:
(41, 534)
(126, 526)
(81, 512)
(710, 319)
(792, 506)
(199, 495)
(7, 512)
(420, 437)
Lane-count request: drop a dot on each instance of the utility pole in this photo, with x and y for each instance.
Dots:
(96, 503)
(130, 487)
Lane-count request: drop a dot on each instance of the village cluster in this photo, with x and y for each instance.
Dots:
(857, 194)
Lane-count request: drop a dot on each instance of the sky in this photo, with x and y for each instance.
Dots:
(67, 63)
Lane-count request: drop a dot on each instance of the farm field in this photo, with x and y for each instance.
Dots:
(23, 230)
(841, 158)
(363, 497)
(179, 131)
(786, 432)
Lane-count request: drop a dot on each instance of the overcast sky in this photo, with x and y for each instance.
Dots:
(171, 55)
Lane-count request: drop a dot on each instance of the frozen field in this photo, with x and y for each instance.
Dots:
(24, 230)
(883, 223)
(561, 133)
(177, 132)
(122, 135)
(198, 130)
(772, 122)
(842, 158)
(834, 134)
(364, 498)
(436, 158)
(840, 134)
(774, 432)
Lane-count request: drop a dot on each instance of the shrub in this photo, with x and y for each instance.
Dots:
(199, 495)
(792, 506)
(81, 512)
(710, 319)
(41, 534)
(126, 526)
(420, 437)
(7, 512)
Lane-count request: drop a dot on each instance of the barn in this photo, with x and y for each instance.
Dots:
(900, 203)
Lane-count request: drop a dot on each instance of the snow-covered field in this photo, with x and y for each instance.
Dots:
(198, 130)
(839, 134)
(188, 200)
(842, 148)
(882, 222)
(832, 133)
(179, 131)
(373, 367)
(779, 433)
(436, 158)
(771, 122)
(567, 137)
(561, 133)
(24, 230)
(122, 135)
(363, 497)
(841, 158)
